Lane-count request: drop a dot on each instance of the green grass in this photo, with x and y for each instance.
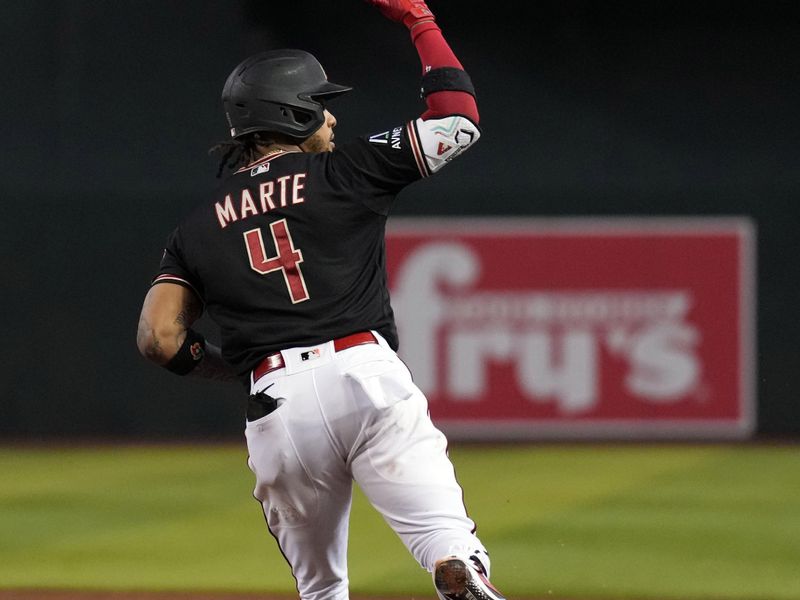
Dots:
(682, 522)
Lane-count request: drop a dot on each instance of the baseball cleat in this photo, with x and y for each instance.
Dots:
(456, 579)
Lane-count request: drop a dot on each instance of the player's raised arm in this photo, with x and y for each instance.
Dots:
(449, 124)
(446, 86)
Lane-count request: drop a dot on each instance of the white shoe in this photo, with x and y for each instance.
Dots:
(457, 579)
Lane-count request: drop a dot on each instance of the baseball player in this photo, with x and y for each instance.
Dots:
(287, 257)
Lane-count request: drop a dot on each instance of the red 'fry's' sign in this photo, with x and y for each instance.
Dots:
(547, 328)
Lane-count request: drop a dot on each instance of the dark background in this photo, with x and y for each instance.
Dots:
(588, 108)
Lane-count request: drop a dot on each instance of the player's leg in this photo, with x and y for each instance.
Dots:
(303, 486)
(404, 470)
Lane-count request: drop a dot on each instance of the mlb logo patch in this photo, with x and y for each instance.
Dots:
(259, 170)
(310, 355)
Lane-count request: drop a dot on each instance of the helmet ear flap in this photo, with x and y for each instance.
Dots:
(300, 117)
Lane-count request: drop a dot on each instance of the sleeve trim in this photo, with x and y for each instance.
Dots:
(167, 278)
(416, 149)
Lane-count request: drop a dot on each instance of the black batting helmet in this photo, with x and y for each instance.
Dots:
(279, 91)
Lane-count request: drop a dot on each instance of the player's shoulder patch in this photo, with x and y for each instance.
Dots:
(436, 142)
(392, 138)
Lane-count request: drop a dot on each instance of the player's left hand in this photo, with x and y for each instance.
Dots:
(407, 12)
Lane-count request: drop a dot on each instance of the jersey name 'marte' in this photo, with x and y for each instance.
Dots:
(281, 192)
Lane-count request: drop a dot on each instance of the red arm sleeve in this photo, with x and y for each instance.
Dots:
(434, 52)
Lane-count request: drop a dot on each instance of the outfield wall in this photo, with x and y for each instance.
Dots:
(589, 112)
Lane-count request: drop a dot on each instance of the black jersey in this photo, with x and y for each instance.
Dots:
(290, 250)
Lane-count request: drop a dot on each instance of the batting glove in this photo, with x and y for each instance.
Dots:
(407, 12)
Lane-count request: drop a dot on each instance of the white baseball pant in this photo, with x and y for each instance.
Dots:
(353, 415)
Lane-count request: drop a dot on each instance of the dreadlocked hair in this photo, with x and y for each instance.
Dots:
(242, 151)
(238, 152)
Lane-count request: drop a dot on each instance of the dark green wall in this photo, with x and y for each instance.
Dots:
(587, 108)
